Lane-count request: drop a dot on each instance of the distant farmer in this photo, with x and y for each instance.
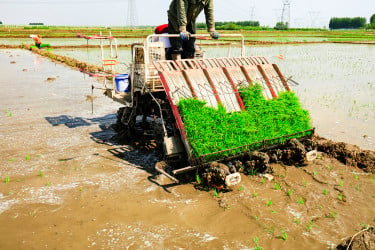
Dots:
(182, 15)
(37, 39)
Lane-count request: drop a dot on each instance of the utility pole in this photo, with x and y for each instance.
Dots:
(131, 20)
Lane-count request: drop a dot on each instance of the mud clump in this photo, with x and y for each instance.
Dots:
(256, 162)
(292, 153)
(51, 79)
(364, 240)
(348, 154)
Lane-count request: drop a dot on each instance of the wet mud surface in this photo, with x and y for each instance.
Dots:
(66, 184)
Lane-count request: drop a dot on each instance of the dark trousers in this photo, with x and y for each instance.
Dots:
(184, 48)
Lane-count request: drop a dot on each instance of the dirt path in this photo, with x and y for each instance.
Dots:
(64, 185)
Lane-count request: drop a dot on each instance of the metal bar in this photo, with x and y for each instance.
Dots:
(177, 115)
(206, 73)
(235, 90)
(248, 78)
(265, 77)
(186, 76)
(149, 39)
(184, 170)
(160, 170)
(281, 77)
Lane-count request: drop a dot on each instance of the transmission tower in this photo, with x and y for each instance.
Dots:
(131, 20)
(285, 13)
(313, 18)
(252, 13)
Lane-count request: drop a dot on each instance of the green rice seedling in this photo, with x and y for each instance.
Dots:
(341, 196)
(8, 113)
(197, 178)
(48, 184)
(290, 192)
(7, 179)
(269, 229)
(263, 180)
(355, 176)
(309, 226)
(273, 211)
(256, 241)
(269, 203)
(305, 183)
(215, 193)
(297, 220)
(240, 188)
(325, 192)
(27, 157)
(340, 183)
(212, 130)
(40, 174)
(332, 214)
(283, 236)
(11, 160)
(256, 217)
(301, 201)
(277, 186)
(81, 189)
(255, 194)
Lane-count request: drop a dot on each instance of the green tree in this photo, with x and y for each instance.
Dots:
(372, 19)
(282, 26)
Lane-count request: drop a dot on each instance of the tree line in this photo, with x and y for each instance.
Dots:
(232, 25)
(347, 23)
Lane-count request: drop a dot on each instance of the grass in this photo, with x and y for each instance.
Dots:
(212, 130)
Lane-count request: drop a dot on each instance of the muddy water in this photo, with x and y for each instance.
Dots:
(65, 185)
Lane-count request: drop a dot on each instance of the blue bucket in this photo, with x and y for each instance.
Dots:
(122, 83)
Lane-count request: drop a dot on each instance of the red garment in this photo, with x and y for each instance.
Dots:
(161, 29)
(37, 39)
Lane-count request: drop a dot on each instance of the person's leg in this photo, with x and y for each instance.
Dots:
(189, 45)
(175, 51)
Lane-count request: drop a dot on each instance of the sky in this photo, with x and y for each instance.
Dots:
(303, 13)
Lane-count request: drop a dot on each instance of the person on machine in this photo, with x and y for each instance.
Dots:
(182, 15)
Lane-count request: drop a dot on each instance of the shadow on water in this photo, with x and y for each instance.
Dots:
(140, 151)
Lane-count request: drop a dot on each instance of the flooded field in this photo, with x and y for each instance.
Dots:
(65, 184)
(65, 42)
(336, 83)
